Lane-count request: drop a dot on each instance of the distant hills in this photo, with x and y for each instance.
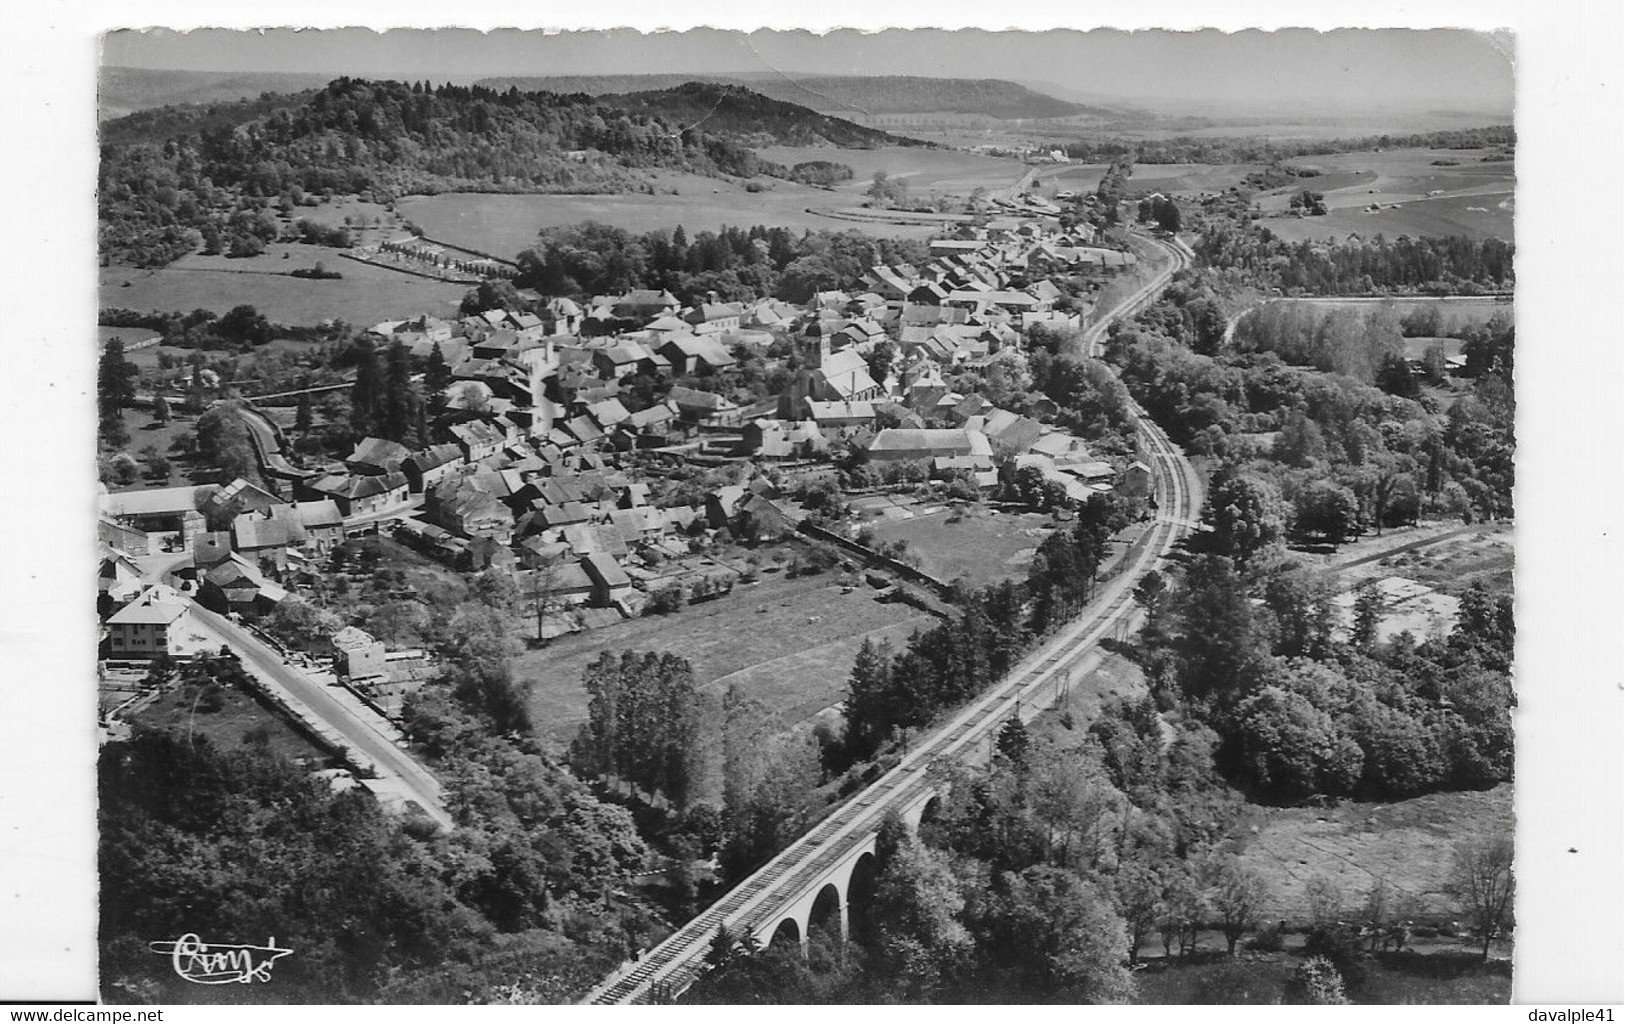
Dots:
(840, 94)
(122, 91)
(180, 176)
(749, 118)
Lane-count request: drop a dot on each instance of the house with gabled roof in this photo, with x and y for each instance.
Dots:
(118, 577)
(645, 304)
(712, 317)
(896, 444)
(356, 495)
(265, 540)
(237, 496)
(1010, 432)
(157, 622)
(608, 413)
(689, 354)
(478, 439)
(424, 469)
(560, 316)
(722, 504)
(469, 504)
(703, 406)
(377, 455)
(238, 586)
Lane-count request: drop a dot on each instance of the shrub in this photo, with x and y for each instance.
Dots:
(666, 600)
(1339, 946)
(1268, 940)
(1316, 983)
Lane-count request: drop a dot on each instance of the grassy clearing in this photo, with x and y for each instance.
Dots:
(1455, 313)
(978, 544)
(1259, 979)
(1409, 843)
(364, 296)
(1475, 217)
(1472, 198)
(503, 225)
(1485, 557)
(945, 171)
(788, 643)
(240, 719)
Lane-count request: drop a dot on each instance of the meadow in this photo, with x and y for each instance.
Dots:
(1260, 979)
(238, 719)
(1408, 843)
(1455, 312)
(944, 171)
(504, 225)
(788, 643)
(364, 296)
(977, 544)
(1415, 195)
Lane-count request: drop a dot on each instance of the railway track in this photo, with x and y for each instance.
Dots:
(1028, 688)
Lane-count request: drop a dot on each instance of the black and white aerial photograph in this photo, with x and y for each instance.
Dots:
(756, 515)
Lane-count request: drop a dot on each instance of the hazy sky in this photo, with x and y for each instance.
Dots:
(1391, 67)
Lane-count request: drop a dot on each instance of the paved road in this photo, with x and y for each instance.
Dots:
(390, 760)
(1035, 683)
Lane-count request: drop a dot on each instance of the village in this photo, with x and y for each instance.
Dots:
(553, 466)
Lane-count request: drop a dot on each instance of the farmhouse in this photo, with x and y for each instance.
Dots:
(428, 467)
(158, 622)
(356, 495)
(376, 456)
(897, 444)
(478, 439)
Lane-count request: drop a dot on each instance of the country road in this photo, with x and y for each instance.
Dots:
(389, 760)
(1035, 683)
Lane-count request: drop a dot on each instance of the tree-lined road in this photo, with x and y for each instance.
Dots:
(389, 760)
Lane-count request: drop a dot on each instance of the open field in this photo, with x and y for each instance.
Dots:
(1452, 566)
(1454, 312)
(239, 717)
(144, 431)
(1476, 217)
(982, 546)
(1169, 178)
(369, 223)
(1260, 978)
(943, 171)
(1473, 198)
(128, 335)
(503, 225)
(364, 296)
(788, 643)
(1408, 842)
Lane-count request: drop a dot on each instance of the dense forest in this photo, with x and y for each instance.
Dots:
(838, 94)
(738, 264)
(750, 118)
(518, 904)
(1359, 266)
(1184, 149)
(170, 178)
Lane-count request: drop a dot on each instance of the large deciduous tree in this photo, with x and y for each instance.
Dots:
(1481, 883)
(1245, 514)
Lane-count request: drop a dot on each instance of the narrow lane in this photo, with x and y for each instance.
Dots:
(390, 760)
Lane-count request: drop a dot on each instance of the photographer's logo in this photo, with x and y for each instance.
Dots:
(204, 963)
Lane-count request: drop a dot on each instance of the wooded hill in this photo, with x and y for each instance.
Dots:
(752, 118)
(840, 94)
(174, 177)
